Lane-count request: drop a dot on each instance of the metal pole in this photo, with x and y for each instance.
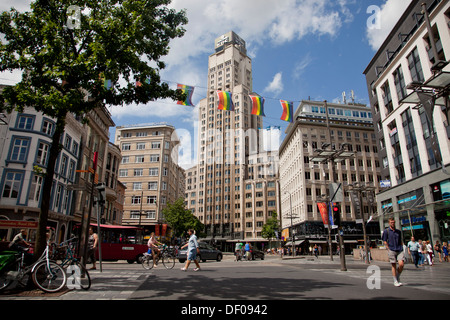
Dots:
(366, 259)
(99, 237)
(292, 227)
(430, 32)
(88, 219)
(330, 245)
(341, 238)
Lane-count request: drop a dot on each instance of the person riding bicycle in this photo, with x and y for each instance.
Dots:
(19, 244)
(238, 250)
(248, 251)
(153, 245)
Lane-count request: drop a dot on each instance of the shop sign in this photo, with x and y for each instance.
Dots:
(414, 220)
(18, 224)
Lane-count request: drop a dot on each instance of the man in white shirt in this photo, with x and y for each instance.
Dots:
(413, 249)
(192, 251)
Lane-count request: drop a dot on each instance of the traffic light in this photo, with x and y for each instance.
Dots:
(101, 193)
(336, 209)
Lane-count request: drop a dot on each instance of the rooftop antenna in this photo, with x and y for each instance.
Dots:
(353, 97)
(343, 97)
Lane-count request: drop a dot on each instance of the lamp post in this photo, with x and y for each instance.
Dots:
(327, 203)
(292, 226)
(358, 190)
(333, 156)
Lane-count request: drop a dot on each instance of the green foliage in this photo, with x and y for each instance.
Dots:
(64, 66)
(65, 58)
(269, 228)
(180, 219)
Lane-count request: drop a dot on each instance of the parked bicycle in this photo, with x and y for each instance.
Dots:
(78, 275)
(46, 274)
(166, 254)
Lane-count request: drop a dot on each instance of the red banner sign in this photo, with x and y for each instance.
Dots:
(323, 212)
(18, 224)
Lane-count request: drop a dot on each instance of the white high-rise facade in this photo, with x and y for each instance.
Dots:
(226, 140)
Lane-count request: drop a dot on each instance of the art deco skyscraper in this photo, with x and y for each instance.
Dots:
(226, 140)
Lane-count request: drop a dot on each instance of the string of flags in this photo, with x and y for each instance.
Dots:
(226, 101)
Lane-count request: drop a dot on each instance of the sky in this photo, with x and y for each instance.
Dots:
(300, 50)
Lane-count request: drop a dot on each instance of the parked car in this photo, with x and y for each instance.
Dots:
(257, 254)
(207, 252)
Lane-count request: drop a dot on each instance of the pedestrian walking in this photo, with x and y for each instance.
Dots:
(413, 249)
(192, 251)
(429, 253)
(92, 246)
(316, 251)
(392, 238)
(445, 251)
(421, 255)
(438, 249)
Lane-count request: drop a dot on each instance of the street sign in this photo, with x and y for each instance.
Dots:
(336, 192)
(385, 183)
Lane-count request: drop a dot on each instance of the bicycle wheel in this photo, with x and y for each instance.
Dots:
(168, 261)
(6, 277)
(79, 277)
(49, 276)
(147, 262)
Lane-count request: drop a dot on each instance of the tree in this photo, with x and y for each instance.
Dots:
(67, 52)
(270, 228)
(181, 219)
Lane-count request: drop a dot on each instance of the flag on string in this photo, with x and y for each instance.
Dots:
(188, 90)
(139, 84)
(257, 105)
(287, 110)
(225, 102)
(107, 84)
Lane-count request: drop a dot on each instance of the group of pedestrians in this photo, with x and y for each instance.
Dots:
(242, 251)
(423, 251)
(420, 251)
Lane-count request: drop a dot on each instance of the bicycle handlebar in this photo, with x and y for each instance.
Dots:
(69, 240)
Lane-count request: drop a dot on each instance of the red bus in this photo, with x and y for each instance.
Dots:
(121, 242)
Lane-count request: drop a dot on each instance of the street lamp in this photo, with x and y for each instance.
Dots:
(334, 156)
(358, 190)
(292, 226)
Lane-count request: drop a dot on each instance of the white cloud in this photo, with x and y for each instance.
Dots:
(301, 65)
(383, 19)
(256, 21)
(276, 85)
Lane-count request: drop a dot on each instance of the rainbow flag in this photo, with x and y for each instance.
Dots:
(225, 102)
(287, 110)
(139, 84)
(107, 84)
(257, 105)
(188, 90)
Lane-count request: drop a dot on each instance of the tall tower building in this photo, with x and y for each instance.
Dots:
(226, 140)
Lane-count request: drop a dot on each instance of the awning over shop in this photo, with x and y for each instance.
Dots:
(296, 243)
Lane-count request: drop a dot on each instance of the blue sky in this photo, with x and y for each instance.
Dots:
(300, 49)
